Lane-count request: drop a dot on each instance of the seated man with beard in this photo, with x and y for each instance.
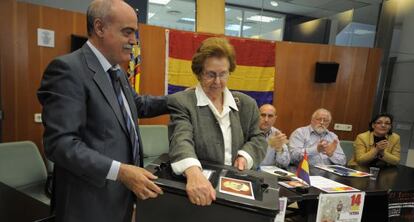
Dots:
(321, 145)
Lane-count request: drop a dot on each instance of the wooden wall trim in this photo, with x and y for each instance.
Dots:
(296, 95)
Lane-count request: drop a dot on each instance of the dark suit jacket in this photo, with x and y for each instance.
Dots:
(195, 132)
(84, 132)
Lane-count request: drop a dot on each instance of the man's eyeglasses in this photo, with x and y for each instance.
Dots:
(213, 75)
(322, 120)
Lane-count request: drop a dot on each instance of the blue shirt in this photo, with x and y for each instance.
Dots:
(273, 158)
(306, 138)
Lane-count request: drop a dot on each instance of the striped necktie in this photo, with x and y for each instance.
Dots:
(115, 78)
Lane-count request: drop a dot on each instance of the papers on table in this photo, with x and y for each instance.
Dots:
(330, 186)
(292, 181)
(280, 217)
(319, 182)
(236, 187)
(340, 207)
(343, 171)
(277, 171)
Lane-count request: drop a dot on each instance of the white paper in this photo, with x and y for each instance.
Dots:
(280, 217)
(330, 186)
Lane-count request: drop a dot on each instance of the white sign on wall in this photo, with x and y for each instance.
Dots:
(45, 38)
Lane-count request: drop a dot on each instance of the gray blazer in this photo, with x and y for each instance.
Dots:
(195, 132)
(84, 132)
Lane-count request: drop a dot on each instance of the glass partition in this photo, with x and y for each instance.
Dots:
(175, 14)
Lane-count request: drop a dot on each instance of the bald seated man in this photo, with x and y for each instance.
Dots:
(277, 151)
(321, 145)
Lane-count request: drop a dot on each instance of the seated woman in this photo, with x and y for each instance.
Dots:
(379, 146)
(211, 123)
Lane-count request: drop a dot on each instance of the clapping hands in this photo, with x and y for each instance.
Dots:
(327, 148)
(277, 140)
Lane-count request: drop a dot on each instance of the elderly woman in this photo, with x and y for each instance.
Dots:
(211, 123)
(379, 146)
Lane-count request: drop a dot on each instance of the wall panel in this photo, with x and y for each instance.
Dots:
(296, 95)
(350, 98)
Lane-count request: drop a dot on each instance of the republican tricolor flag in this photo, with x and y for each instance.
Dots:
(303, 169)
(254, 74)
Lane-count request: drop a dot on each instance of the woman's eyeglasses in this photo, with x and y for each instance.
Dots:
(213, 75)
(383, 123)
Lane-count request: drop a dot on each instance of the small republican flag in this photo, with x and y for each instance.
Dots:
(303, 169)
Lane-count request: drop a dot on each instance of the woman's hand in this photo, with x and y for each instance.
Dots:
(199, 189)
(381, 146)
(240, 163)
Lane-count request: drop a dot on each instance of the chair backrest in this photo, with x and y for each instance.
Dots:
(348, 148)
(154, 139)
(410, 158)
(21, 164)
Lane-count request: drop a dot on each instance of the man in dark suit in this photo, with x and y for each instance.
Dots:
(90, 116)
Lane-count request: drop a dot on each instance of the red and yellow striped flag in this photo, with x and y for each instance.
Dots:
(254, 74)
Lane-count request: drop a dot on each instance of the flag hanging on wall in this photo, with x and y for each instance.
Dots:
(254, 74)
(303, 169)
(134, 66)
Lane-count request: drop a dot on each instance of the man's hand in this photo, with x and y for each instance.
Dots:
(276, 141)
(322, 146)
(240, 163)
(331, 147)
(139, 181)
(199, 189)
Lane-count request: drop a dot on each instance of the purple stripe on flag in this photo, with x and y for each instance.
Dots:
(173, 88)
(260, 97)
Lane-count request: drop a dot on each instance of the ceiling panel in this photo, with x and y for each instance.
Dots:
(310, 3)
(342, 5)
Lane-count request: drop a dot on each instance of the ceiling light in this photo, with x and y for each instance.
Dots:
(274, 3)
(188, 19)
(159, 2)
(174, 12)
(363, 32)
(261, 18)
(235, 27)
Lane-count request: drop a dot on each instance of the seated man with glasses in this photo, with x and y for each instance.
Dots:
(378, 146)
(211, 123)
(321, 145)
